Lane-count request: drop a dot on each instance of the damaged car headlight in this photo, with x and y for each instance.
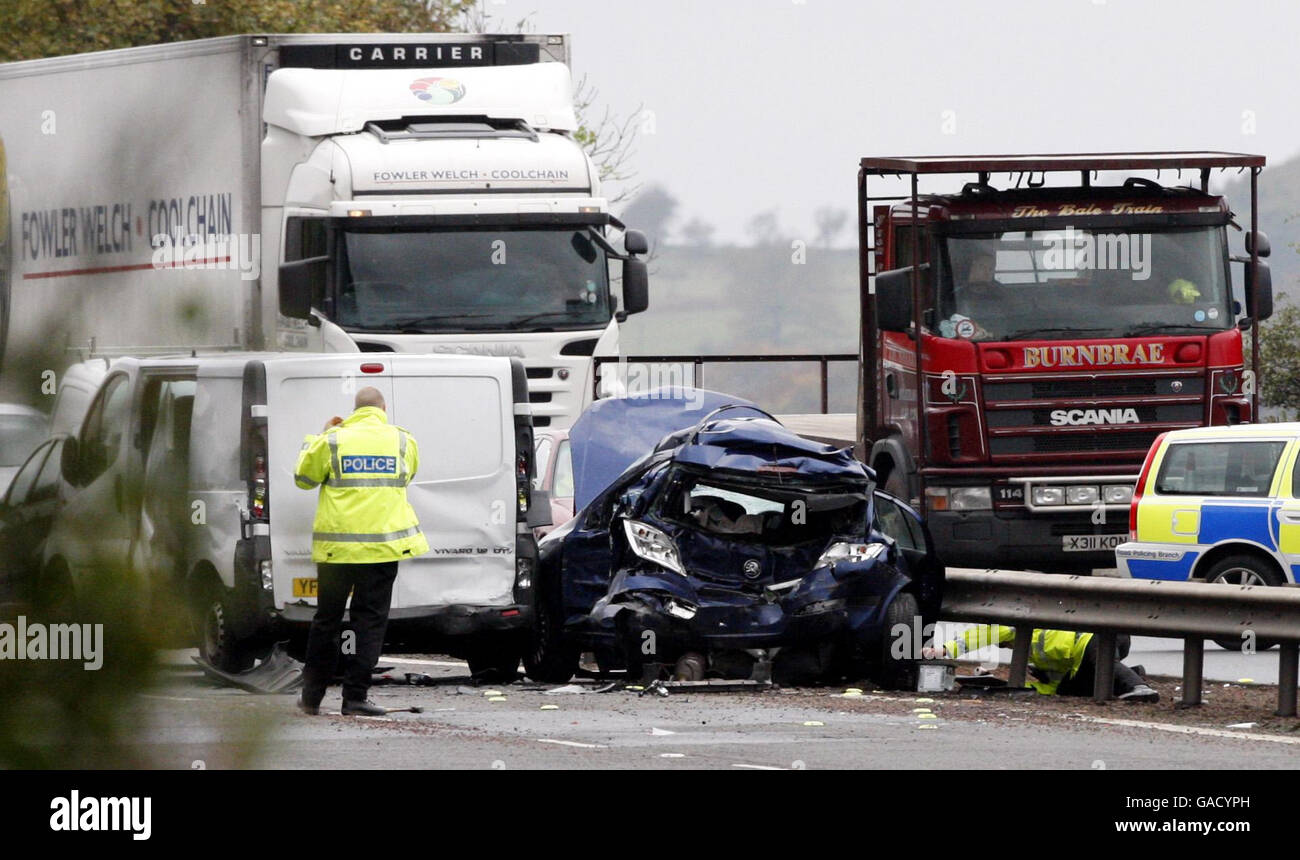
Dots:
(653, 545)
(843, 551)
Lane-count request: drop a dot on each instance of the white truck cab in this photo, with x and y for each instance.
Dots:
(181, 475)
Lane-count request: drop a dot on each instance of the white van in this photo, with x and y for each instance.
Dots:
(182, 474)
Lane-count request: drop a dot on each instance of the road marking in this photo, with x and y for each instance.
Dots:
(1187, 730)
(572, 744)
(757, 767)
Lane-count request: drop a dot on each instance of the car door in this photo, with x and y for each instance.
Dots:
(899, 521)
(17, 537)
(94, 529)
(1287, 513)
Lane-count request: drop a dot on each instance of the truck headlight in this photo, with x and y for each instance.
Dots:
(970, 499)
(1047, 496)
(1082, 494)
(843, 551)
(959, 498)
(653, 545)
(1117, 494)
(264, 570)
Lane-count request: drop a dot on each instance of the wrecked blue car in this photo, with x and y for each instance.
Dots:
(712, 542)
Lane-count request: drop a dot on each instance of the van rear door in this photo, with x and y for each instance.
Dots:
(302, 394)
(461, 412)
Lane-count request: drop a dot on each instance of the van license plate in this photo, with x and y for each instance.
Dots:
(1091, 543)
(304, 587)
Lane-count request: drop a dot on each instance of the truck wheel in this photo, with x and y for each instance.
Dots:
(217, 642)
(1243, 569)
(548, 658)
(894, 673)
(495, 661)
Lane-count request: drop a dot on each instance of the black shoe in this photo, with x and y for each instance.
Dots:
(1140, 693)
(307, 707)
(363, 708)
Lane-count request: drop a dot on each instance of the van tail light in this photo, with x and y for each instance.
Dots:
(1141, 487)
(258, 503)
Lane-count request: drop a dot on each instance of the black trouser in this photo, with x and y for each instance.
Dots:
(1084, 679)
(371, 586)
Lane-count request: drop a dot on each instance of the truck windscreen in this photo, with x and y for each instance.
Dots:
(498, 279)
(1068, 282)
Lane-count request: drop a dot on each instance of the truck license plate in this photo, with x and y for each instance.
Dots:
(1091, 543)
(304, 587)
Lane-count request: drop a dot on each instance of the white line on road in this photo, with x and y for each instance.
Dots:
(572, 744)
(451, 664)
(1188, 730)
(757, 767)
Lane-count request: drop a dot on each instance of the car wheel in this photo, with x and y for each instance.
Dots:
(495, 660)
(217, 642)
(1243, 569)
(548, 658)
(894, 673)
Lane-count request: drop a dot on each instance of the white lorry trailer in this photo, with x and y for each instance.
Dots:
(377, 193)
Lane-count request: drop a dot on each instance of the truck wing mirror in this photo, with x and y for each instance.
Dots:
(894, 299)
(634, 242)
(1258, 241)
(1259, 291)
(300, 282)
(636, 286)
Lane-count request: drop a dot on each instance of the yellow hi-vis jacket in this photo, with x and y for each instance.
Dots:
(362, 467)
(1058, 653)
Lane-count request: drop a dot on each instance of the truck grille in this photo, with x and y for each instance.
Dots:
(1057, 443)
(1087, 388)
(1159, 403)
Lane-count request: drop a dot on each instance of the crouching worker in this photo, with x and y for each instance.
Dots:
(1063, 662)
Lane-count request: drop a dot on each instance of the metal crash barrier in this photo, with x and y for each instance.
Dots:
(1191, 611)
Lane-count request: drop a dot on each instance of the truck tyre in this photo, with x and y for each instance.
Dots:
(495, 660)
(1243, 569)
(217, 643)
(548, 658)
(895, 673)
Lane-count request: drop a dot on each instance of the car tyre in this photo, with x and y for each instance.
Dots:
(548, 658)
(1243, 569)
(895, 673)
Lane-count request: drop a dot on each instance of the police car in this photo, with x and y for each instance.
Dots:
(1217, 504)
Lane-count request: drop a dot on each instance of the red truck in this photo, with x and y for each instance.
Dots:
(1023, 343)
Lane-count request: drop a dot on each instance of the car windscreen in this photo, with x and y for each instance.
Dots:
(19, 436)
(767, 515)
(1218, 468)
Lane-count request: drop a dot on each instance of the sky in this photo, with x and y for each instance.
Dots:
(749, 106)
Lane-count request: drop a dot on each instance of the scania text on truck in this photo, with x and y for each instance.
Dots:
(1023, 343)
(382, 193)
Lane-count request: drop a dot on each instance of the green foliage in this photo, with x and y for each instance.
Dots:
(1279, 358)
(30, 29)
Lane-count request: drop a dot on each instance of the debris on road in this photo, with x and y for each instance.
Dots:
(278, 673)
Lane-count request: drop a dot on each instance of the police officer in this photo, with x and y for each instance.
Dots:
(364, 526)
(1065, 660)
